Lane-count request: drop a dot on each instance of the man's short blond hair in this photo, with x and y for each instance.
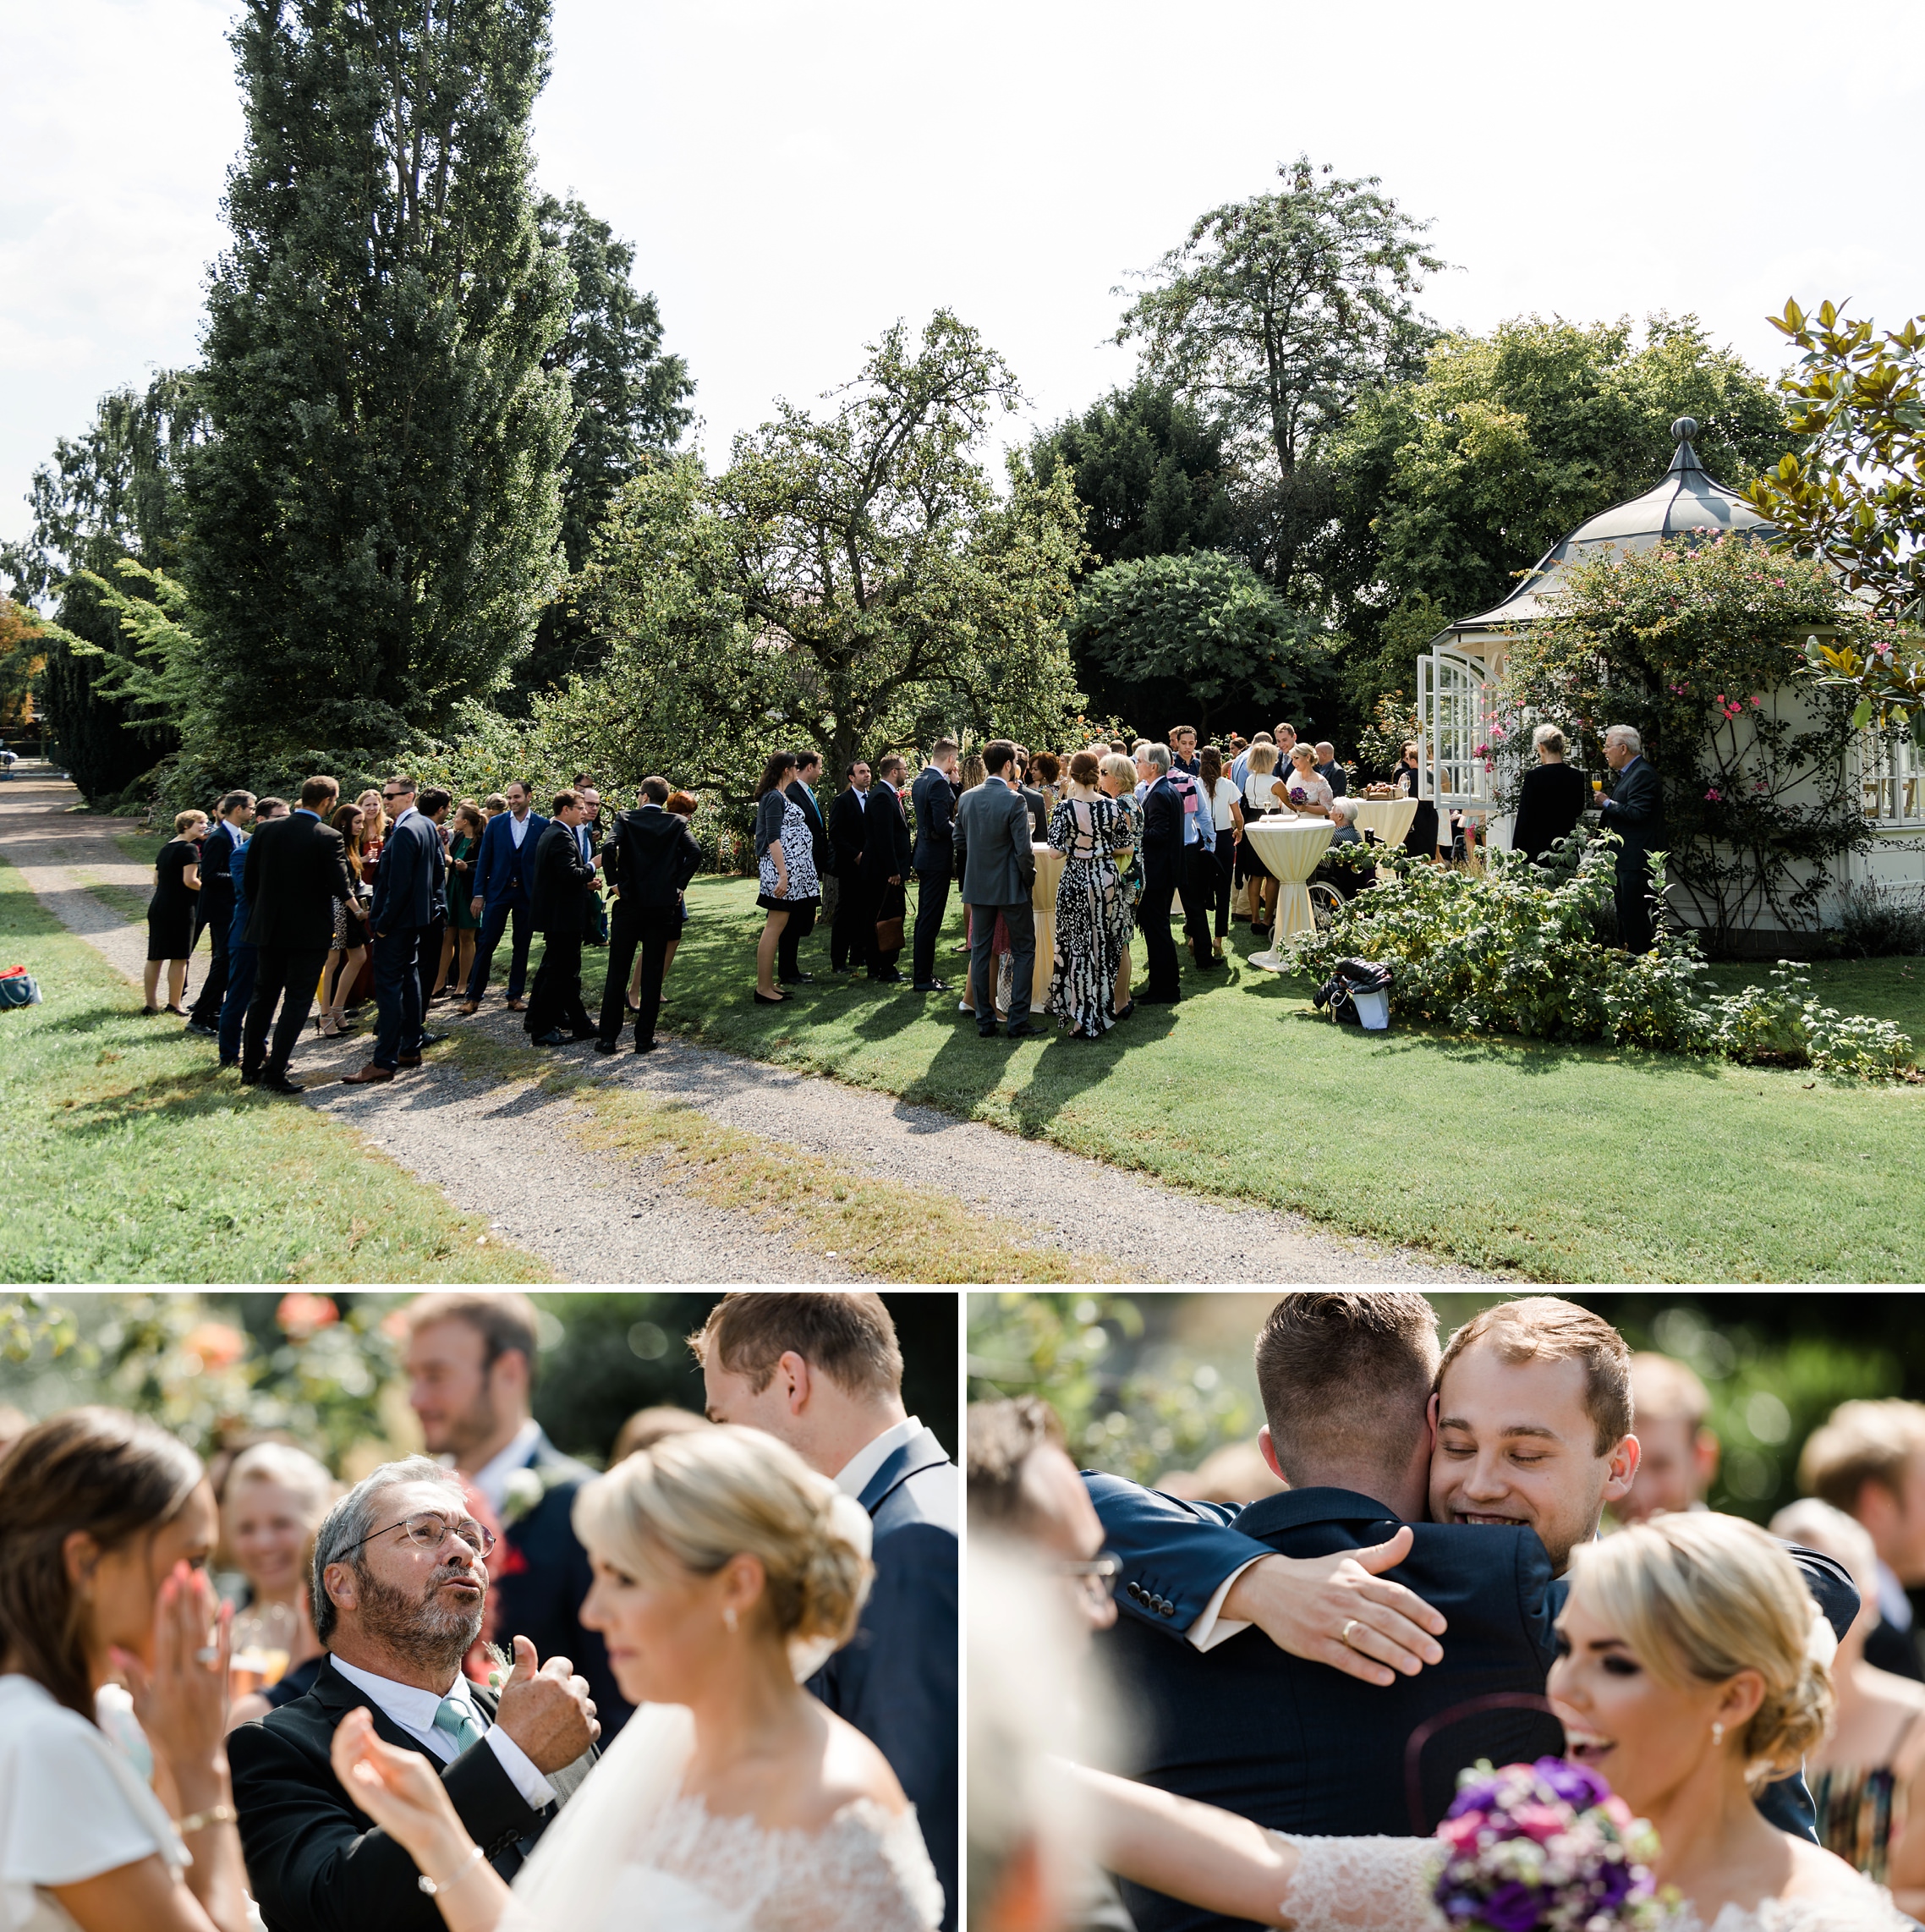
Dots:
(1545, 1328)
(1862, 1442)
(1663, 1389)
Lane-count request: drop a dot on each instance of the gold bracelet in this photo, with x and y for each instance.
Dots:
(214, 1814)
(468, 1864)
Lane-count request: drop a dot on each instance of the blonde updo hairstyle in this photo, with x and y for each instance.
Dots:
(703, 1497)
(1700, 1597)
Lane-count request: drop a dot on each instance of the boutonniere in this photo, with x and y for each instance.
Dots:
(501, 1667)
(524, 1491)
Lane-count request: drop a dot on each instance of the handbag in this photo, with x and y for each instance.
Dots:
(18, 988)
(889, 935)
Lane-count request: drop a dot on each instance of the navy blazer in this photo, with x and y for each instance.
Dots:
(1162, 824)
(409, 880)
(1635, 811)
(1176, 1554)
(541, 1579)
(934, 802)
(896, 1680)
(214, 904)
(502, 875)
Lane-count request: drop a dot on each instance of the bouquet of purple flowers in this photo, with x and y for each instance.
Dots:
(1297, 794)
(1545, 1848)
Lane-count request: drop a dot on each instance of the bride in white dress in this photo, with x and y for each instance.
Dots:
(726, 1570)
(1692, 1666)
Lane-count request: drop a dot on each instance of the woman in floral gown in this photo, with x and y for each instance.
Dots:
(1090, 829)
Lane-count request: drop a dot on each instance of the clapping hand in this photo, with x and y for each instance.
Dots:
(546, 1709)
(401, 1791)
(182, 1702)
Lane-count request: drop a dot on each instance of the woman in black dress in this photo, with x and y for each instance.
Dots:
(1420, 841)
(170, 912)
(1552, 798)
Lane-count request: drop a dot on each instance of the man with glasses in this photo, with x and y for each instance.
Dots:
(408, 887)
(398, 1586)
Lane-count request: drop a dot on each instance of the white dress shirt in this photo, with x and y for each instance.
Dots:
(518, 828)
(491, 1479)
(413, 1710)
(853, 1478)
(1893, 1604)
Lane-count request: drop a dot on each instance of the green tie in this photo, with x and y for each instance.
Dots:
(456, 1717)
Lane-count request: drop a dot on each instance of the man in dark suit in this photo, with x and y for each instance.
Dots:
(886, 864)
(933, 796)
(1344, 1379)
(852, 938)
(471, 1378)
(998, 868)
(242, 955)
(564, 880)
(432, 803)
(1635, 811)
(214, 908)
(801, 922)
(1332, 773)
(1163, 874)
(824, 1373)
(398, 1588)
(408, 884)
(651, 859)
(292, 870)
(504, 887)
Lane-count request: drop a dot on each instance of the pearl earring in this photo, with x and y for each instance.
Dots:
(1717, 1736)
(728, 1615)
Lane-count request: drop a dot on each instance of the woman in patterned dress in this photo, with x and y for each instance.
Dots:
(785, 848)
(1089, 829)
(1119, 785)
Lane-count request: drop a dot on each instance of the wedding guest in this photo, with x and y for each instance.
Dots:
(214, 908)
(997, 864)
(1680, 1454)
(241, 952)
(683, 805)
(824, 1373)
(347, 949)
(852, 936)
(494, 805)
(1865, 1776)
(1195, 881)
(400, 1590)
(1635, 811)
(801, 921)
(648, 1426)
(1306, 791)
(649, 858)
(105, 1522)
(271, 1503)
(1263, 798)
(1163, 869)
(1350, 880)
(1092, 916)
(1552, 798)
(973, 771)
(886, 864)
(432, 802)
(170, 912)
(406, 889)
(1183, 748)
(503, 894)
(1118, 781)
(295, 872)
(470, 1363)
(563, 887)
(785, 855)
(1328, 769)
(933, 796)
(720, 1555)
(1034, 803)
(1046, 773)
(1426, 838)
(1225, 805)
(1868, 1458)
(457, 943)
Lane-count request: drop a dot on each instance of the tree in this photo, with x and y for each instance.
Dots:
(1188, 634)
(23, 661)
(1452, 484)
(631, 404)
(114, 493)
(1276, 316)
(851, 581)
(377, 518)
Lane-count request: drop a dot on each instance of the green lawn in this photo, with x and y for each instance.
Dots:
(124, 1156)
(1571, 1164)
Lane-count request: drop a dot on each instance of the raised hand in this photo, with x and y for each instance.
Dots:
(546, 1709)
(399, 1791)
(1305, 1604)
(181, 1701)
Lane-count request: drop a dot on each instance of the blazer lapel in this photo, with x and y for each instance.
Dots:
(338, 1697)
(922, 1453)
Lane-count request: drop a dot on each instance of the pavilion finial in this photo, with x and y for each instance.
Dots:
(1682, 431)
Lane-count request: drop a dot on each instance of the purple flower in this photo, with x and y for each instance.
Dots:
(1576, 1785)
(1513, 1907)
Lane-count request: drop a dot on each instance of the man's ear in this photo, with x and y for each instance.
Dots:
(339, 1580)
(792, 1373)
(512, 1374)
(1268, 1449)
(1623, 1462)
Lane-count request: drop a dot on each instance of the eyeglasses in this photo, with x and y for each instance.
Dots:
(1093, 1576)
(428, 1531)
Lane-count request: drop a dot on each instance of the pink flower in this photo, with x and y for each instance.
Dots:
(217, 1344)
(1540, 1821)
(1712, 796)
(301, 1315)
(1460, 1834)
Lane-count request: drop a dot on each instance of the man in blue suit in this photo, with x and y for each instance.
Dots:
(408, 890)
(933, 797)
(242, 955)
(1527, 1437)
(1164, 863)
(504, 891)
(823, 1373)
(214, 907)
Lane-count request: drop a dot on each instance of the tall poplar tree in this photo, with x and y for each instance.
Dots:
(377, 518)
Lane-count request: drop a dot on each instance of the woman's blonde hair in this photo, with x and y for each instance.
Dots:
(1263, 759)
(181, 821)
(1700, 1597)
(1302, 754)
(1119, 765)
(700, 1498)
(292, 1468)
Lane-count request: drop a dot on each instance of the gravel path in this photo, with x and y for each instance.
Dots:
(506, 1149)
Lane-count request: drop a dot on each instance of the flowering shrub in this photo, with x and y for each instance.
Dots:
(1544, 1845)
(1516, 948)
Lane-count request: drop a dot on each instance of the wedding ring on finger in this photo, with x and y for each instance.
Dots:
(208, 1654)
(1344, 1636)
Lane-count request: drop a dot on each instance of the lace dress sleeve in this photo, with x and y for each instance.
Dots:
(869, 1872)
(1362, 1885)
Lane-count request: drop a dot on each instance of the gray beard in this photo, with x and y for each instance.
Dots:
(417, 1628)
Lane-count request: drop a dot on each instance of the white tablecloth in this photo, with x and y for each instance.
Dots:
(1292, 848)
(1388, 818)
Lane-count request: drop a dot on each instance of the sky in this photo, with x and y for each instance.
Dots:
(797, 177)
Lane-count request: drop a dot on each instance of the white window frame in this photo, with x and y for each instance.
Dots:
(1891, 778)
(1453, 716)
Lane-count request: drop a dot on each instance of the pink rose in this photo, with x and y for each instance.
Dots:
(1540, 1821)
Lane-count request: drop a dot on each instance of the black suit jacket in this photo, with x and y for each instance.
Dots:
(886, 845)
(1162, 825)
(561, 882)
(651, 858)
(1038, 807)
(541, 1579)
(314, 1862)
(848, 830)
(934, 801)
(214, 904)
(292, 872)
(1635, 811)
(896, 1680)
(409, 882)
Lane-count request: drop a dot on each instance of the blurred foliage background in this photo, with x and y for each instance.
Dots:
(325, 1370)
(1152, 1384)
